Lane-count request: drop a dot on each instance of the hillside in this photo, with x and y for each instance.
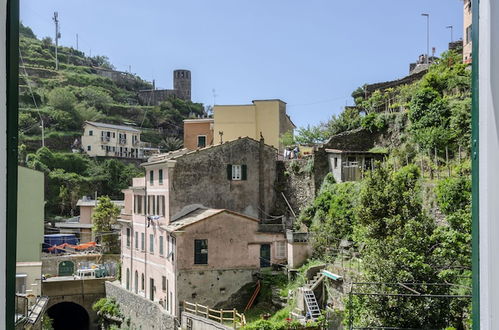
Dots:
(81, 90)
(409, 220)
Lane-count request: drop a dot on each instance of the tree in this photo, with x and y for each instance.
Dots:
(104, 217)
(102, 61)
(171, 143)
(62, 98)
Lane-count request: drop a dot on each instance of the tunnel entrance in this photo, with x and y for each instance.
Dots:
(68, 315)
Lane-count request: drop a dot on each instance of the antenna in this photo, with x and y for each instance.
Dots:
(214, 96)
(57, 36)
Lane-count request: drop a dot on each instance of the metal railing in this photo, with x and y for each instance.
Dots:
(222, 316)
(105, 138)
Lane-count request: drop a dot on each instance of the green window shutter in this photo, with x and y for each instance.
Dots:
(244, 172)
(229, 172)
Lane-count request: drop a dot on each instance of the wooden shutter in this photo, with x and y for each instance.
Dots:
(244, 172)
(229, 172)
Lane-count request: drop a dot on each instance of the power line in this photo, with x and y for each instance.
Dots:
(33, 97)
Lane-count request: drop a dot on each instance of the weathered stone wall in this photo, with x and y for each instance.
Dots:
(155, 97)
(211, 287)
(141, 312)
(296, 181)
(201, 178)
(201, 323)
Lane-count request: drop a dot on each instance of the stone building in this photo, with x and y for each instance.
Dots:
(181, 89)
(193, 205)
(265, 118)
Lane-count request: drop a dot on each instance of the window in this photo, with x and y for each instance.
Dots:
(137, 204)
(281, 249)
(160, 176)
(128, 234)
(151, 177)
(163, 283)
(237, 172)
(468, 34)
(161, 246)
(200, 251)
(151, 243)
(142, 242)
(143, 282)
(335, 162)
(90, 133)
(160, 205)
(136, 240)
(128, 279)
(201, 141)
(151, 289)
(89, 148)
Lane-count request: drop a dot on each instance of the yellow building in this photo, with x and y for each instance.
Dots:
(265, 117)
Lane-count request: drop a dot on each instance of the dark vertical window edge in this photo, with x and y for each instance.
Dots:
(475, 254)
(12, 140)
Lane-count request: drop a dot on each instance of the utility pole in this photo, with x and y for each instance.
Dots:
(57, 36)
(77, 41)
(451, 32)
(427, 37)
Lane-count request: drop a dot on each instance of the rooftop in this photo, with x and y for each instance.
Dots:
(112, 126)
(172, 155)
(93, 202)
(199, 213)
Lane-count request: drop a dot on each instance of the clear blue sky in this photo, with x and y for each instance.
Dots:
(311, 53)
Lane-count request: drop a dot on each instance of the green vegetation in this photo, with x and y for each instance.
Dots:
(409, 228)
(103, 218)
(69, 176)
(67, 97)
(109, 313)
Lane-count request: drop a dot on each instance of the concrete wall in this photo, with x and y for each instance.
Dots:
(30, 214)
(196, 127)
(156, 96)
(298, 253)
(263, 116)
(208, 169)
(33, 270)
(296, 183)
(143, 313)
(201, 323)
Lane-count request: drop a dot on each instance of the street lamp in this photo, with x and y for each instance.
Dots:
(427, 36)
(451, 34)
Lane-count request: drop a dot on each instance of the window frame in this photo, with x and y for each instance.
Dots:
(160, 176)
(205, 141)
(151, 243)
(200, 257)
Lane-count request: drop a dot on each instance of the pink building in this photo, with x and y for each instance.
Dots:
(173, 252)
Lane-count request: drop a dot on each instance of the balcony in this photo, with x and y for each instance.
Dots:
(105, 139)
(122, 141)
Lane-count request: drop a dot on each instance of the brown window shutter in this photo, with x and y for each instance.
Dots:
(229, 172)
(244, 172)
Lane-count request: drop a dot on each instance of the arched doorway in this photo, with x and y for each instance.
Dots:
(68, 315)
(66, 268)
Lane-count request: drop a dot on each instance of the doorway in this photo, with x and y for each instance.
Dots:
(264, 255)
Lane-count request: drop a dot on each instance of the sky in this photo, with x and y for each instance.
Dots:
(311, 53)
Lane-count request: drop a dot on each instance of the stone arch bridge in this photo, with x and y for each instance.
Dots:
(70, 301)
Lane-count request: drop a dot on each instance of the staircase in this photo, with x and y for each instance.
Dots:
(315, 281)
(311, 303)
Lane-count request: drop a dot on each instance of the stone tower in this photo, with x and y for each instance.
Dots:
(182, 84)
